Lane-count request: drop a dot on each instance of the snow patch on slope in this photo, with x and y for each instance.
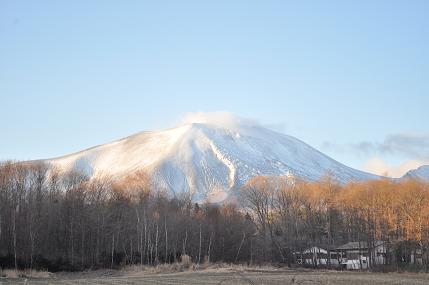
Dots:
(225, 161)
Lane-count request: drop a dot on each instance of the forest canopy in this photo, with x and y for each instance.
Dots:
(70, 222)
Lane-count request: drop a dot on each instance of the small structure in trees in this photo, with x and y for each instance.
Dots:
(358, 255)
(317, 257)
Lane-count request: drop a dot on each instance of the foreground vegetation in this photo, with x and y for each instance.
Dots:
(220, 274)
(68, 222)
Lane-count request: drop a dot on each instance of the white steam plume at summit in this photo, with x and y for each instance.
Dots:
(220, 119)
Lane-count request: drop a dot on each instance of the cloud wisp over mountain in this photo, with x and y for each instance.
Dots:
(414, 148)
(409, 145)
(219, 119)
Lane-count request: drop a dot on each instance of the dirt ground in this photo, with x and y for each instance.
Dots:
(226, 277)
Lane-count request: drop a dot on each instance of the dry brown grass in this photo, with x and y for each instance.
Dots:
(186, 261)
(138, 270)
(186, 264)
(12, 273)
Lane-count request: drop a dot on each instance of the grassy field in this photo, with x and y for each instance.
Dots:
(226, 277)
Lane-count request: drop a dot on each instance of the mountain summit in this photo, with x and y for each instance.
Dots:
(208, 159)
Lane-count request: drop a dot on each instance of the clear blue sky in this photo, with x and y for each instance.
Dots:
(345, 76)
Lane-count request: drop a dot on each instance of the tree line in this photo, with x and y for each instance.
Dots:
(293, 216)
(66, 221)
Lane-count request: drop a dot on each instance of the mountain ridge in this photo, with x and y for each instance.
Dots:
(208, 160)
(421, 172)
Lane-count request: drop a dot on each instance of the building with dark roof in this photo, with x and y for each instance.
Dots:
(360, 255)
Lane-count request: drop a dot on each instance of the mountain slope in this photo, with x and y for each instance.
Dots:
(420, 173)
(208, 160)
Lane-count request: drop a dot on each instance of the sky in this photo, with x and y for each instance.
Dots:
(348, 77)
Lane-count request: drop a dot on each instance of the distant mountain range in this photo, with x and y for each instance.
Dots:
(208, 160)
(420, 173)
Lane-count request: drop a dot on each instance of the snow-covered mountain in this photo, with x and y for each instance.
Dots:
(208, 160)
(421, 173)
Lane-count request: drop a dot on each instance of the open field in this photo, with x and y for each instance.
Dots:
(226, 276)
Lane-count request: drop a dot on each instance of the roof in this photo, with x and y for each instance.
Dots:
(315, 249)
(358, 245)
